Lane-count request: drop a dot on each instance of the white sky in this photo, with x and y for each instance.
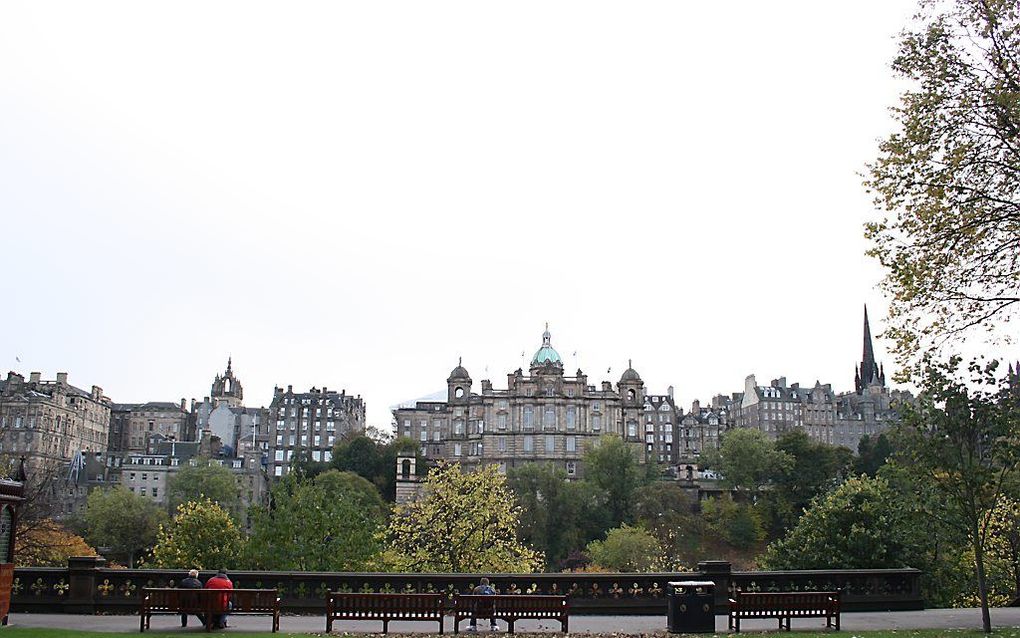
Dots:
(355, 194)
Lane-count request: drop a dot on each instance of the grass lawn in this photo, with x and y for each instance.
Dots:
(25, 632)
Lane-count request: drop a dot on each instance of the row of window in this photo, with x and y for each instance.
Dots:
(293, 439)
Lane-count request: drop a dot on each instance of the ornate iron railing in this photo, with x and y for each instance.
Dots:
(87, 586)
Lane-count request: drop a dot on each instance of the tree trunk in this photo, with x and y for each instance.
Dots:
(979, 564)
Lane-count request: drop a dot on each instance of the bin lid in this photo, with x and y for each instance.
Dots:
(692, 583)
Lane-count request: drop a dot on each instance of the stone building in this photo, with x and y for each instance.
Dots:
(50, 422)
(837, 419)
(544, 415)
(223, 414)
(700, 429)
(309, 424)
(133, 425)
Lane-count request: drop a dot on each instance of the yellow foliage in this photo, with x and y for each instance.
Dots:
(48, 544)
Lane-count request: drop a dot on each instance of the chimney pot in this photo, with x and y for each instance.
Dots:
(35, 377)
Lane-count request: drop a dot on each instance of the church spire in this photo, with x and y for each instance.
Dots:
(869, 372)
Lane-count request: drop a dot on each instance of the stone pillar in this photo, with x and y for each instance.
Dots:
(718, 571)
(83, 575)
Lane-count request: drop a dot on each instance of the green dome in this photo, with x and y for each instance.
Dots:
(546, 354)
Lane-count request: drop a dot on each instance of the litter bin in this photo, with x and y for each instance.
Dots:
(690, 606)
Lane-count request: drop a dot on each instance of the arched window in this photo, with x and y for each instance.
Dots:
(405, 469)
(631, 394)
(459, 393)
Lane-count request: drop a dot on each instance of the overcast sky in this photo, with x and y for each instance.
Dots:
(356, 194)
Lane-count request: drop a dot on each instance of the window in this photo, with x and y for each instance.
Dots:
(501, 404)
(456, 449)
(278, 471)
(596, 423)
(458, 427)
(571, 418)
(529, 416)
(571, 444)
(502, 444)
(424, 436)
(155, 492)
(142, 491)
(549, 420)
(279, 455)
(550, 443)
(595, 406)
(571, 468)
(436, 436)
(327, 456)
(529, 443)
(631, 428)
(501, 420)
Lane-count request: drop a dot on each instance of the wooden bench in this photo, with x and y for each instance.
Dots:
(208, 603)
(384, 607)
(784, 606)
(510, 607)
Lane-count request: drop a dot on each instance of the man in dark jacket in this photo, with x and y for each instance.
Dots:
(220, 581)
(483, 589)
(191, 582)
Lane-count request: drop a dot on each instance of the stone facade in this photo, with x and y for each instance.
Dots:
(49, 423)
(134, 425)
(541, 416)
(310, 423)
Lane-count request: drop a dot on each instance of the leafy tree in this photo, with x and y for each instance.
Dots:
(665, 510)
(204, 481)
(326, 524)
(872, 454)
(122, 520)
(815, 467)
(749, 461)
(49, 545)
(859, 525)
(554, 511)
(625, 549)
(376, 460)
(739, 524)
(202, 535)
(1004, 546)
(612, 466)
(966, 443)
(950, 175)
(462, 522)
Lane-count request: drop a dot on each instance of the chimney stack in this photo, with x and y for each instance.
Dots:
(62, 377)
(36, 377)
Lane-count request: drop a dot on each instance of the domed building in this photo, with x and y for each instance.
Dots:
(544, 415)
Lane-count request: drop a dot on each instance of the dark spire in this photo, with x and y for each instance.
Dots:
(230, 362)
(869, 372)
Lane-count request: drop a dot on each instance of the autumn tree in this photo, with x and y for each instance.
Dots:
(121, 520)
(49, 544)
(202, 535)
(949, 176)
(963, 437)
(461, 522)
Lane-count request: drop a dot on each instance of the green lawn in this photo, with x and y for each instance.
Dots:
(923, 633)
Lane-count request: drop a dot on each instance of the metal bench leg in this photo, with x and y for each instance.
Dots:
(440, 625)
(386, 626)
(564, 624)
(329, 623)
(510, 625)
(141, 622)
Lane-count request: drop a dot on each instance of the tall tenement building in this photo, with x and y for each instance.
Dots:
(134, 426)
(541, 416)
(310, 423)
(838, 419)
(51, 422)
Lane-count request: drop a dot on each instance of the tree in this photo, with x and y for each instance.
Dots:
(376, 460)
(1004, 544)
(122, 520)
(814, 468)
(965, 441)
(859, 525)
(326, 524)
(665, 510)
(204, 481)
(949, 177)
(611, 466)
(49, 545)
(748, 461)
(462, 522)
(872, 454)
(202, 535)
(625, 549)
(739, 524)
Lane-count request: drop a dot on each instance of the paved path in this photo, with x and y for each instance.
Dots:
(860, 621)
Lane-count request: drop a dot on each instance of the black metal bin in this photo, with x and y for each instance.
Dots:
(690, 606)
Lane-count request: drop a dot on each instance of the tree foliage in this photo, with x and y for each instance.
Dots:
(749, 461)
(202, 535)
(739, 524)
(123, 521)
(872, 454)
(461, 522)
(859, 525)
(375, 460)
(328, 523)
(949, 177)
(665, 510)
(963, 438)
(612, 467)
(625, 549)
(48, 544)
(814, 468)
(204, 480)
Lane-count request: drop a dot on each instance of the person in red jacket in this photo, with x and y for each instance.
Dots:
(220, 581)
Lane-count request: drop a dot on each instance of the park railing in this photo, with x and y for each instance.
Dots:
(87, 586)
